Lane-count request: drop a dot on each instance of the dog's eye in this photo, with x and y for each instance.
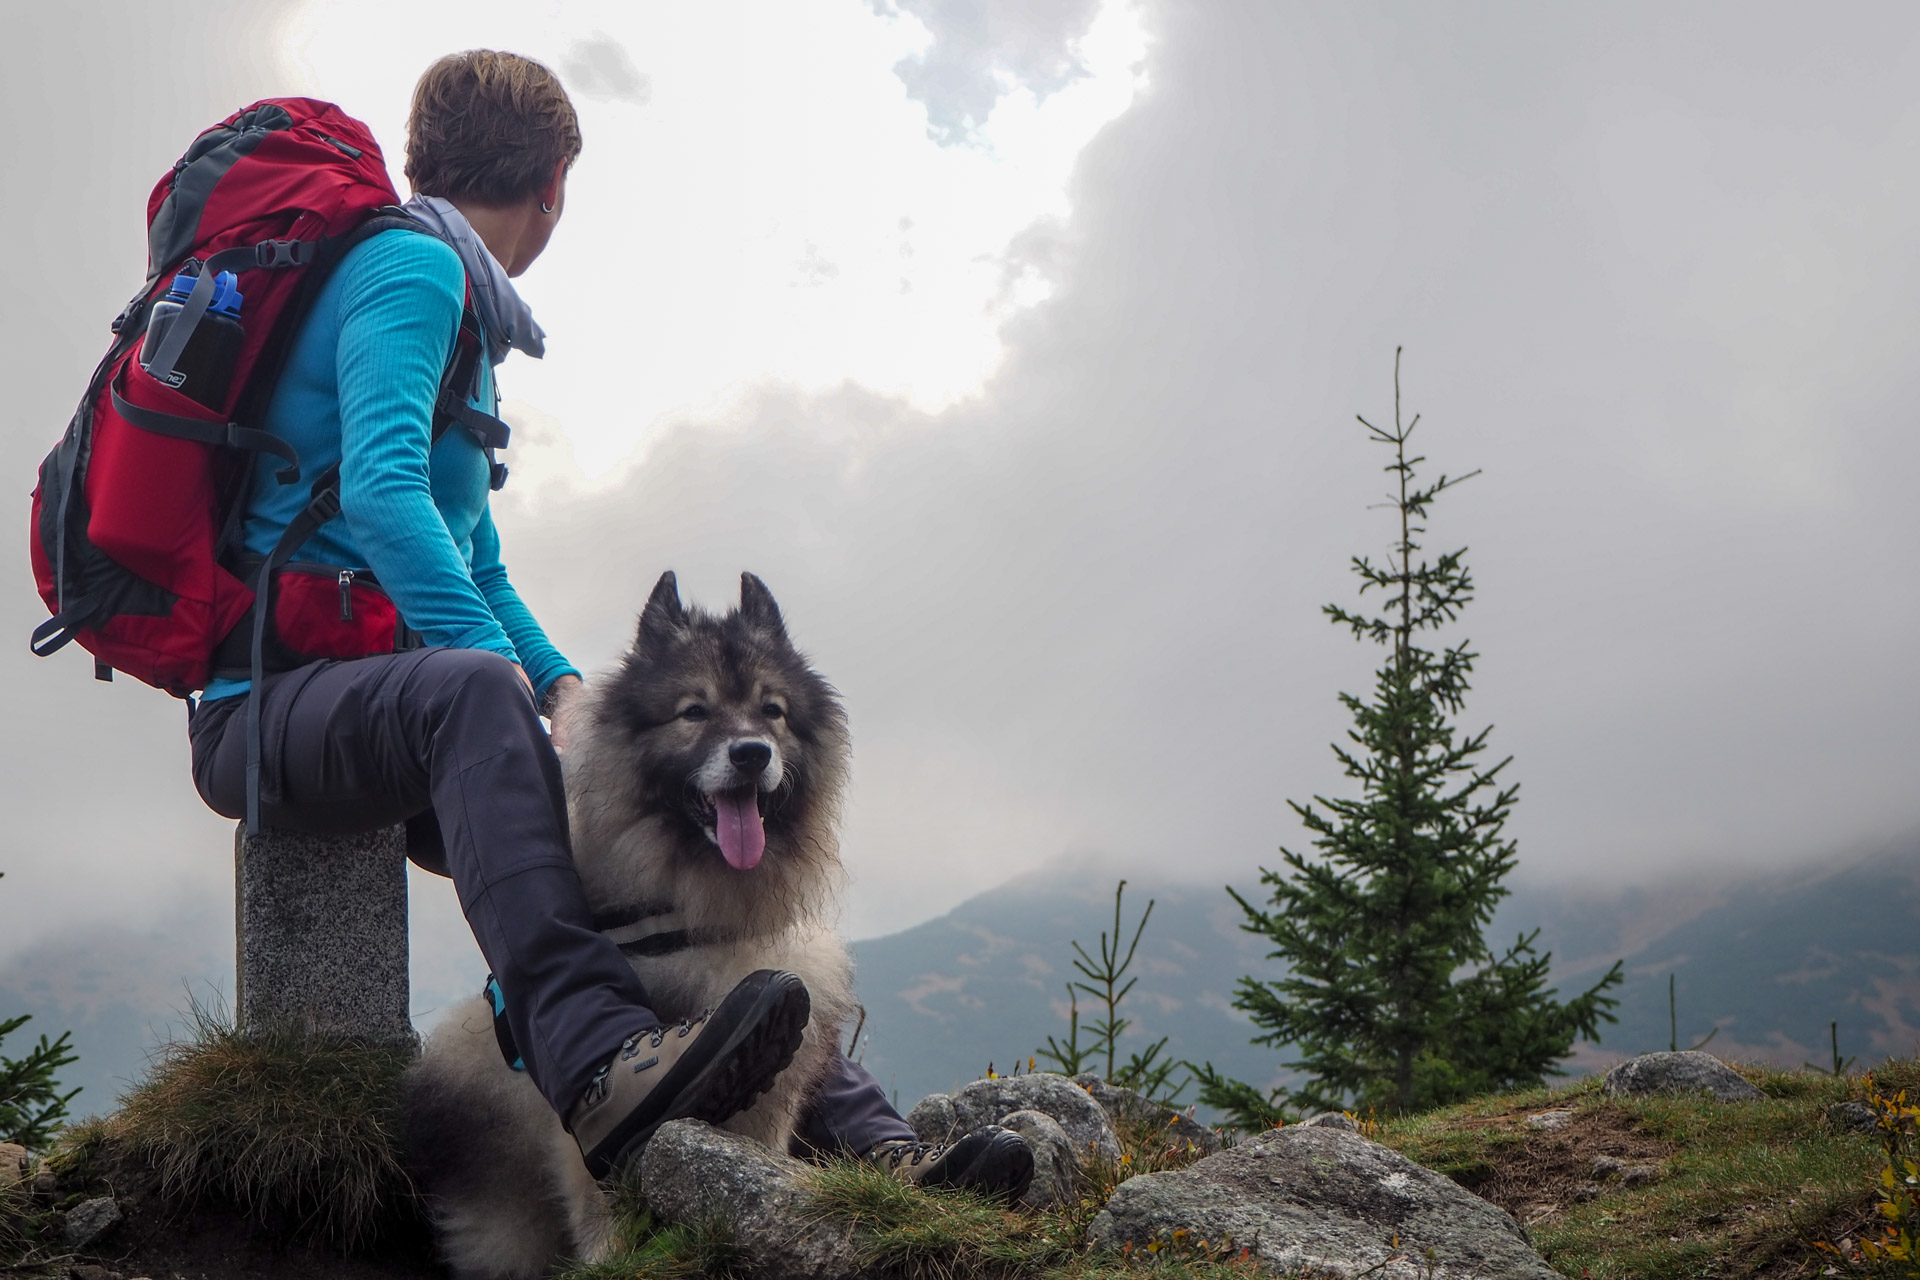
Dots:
(693, 711)
(773, 711)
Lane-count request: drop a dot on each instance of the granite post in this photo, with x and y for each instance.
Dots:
(321, 926)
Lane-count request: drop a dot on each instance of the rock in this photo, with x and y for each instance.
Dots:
(1330, 1120)
(692, 1173)
(1126, 1107)
(933, 1119)
(1605, 1167)
(89, 1220)
(1856, 1116)
(1057, 1178)
(1689, 1071)
(13, 1164)
(1586, 1191)
(1325, 1201)
(1640, 1175)
(1548, 1121)
(986, 1101)
(88, 1271)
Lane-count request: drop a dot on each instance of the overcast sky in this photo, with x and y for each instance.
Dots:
(1018, 346)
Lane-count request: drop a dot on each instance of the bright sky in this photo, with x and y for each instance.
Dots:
(758, 200)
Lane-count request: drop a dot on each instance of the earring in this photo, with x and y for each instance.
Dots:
(545, 207)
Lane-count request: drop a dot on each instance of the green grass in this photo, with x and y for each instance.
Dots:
(1746, 1189)
(302, 1135)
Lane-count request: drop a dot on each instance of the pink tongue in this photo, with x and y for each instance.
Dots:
(737, 824)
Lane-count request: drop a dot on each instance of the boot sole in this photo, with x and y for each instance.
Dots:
(767, 1025)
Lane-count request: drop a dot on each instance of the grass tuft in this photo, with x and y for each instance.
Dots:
(942, 1235)
(300, 1133)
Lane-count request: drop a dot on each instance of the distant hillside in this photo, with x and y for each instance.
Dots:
(1769, 962)
(987, 981)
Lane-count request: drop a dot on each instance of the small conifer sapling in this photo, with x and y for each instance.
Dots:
(1393, 997)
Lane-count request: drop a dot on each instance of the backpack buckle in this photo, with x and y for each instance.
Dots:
(273, 254)
(325, 505)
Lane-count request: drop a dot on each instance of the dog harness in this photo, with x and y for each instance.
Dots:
(638, 929)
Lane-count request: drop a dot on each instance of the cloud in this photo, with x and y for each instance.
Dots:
(600, 67)
(1077, 612)
(979, 49)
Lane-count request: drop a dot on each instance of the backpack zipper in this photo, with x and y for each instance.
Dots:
(346, 595)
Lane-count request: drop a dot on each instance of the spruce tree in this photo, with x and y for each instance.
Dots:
(1393, 998)
(32, 1107)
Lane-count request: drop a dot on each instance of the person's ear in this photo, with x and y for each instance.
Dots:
(555, 188)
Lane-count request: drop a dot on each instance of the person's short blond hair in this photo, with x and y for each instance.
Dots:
(489, 127)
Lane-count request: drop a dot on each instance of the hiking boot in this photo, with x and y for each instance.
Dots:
(990, 1160)
(706, 1068)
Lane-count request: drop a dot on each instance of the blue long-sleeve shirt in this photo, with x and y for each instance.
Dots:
(358, 388)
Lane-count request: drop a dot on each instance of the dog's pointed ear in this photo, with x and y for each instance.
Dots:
(663, 618)
(757, 606)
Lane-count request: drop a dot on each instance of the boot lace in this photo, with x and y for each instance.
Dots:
(654, 1038)
(911, 1154)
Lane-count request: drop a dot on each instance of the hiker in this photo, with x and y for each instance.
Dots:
(446, 736)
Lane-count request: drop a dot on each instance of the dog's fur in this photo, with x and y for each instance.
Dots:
(504, 1182)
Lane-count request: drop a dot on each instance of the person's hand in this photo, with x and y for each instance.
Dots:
(564, 695)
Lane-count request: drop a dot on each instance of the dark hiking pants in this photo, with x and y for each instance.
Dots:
(448, 742)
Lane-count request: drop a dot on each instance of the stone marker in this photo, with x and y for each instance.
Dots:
(321, 928)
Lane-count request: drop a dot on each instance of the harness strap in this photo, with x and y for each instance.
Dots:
(322, 506)
(460, 383)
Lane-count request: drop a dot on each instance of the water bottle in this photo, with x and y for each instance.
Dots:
(205, 367)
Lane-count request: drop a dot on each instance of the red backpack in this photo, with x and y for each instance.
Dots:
(137, 517)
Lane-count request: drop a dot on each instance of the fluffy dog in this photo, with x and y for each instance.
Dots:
(700, 886)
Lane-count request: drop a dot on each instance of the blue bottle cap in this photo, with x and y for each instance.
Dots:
(226, 293)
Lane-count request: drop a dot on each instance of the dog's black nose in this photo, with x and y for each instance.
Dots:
(750, 757)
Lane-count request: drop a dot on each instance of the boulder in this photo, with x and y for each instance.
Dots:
(1330, 1120)
(1688, 1071)
(1547, 1121)
(13, 1164)
(1855, 1116)
(1328, 1202)
(1057, 1178)
(692, 1173)
(89, 1220)
(943, 1117)
(933, 1119)
(1126, 1107)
